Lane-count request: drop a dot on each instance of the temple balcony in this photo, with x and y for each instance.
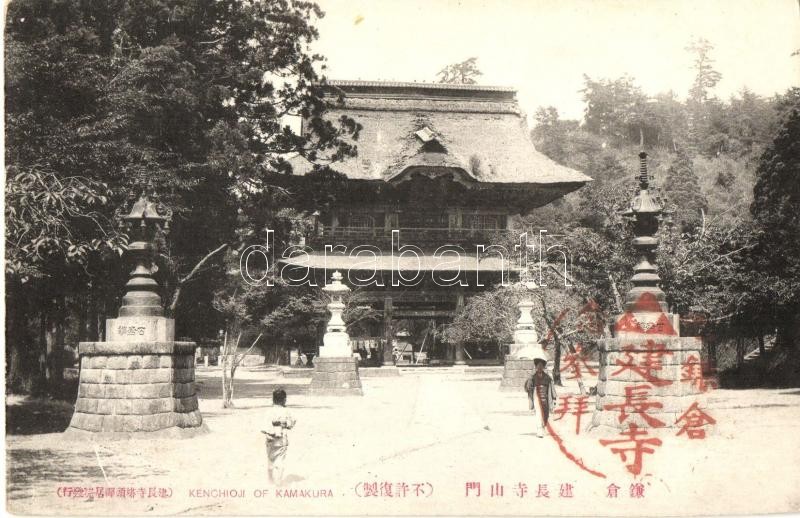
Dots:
(425, 238)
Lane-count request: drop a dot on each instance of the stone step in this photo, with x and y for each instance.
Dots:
(756, 354)
(378, 372)
(304, 372)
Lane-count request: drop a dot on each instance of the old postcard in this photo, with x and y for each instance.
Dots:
(418, 258)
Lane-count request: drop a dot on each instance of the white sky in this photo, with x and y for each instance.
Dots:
(543, 47)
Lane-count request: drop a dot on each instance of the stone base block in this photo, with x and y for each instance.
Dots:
(140, 329)
(649, 419)
(647, 381)
(670, 404)
(335, 377)
(129, 388)
(174, 432)
(641, 389)
(515, 373)
(299, 372)
(645, 343)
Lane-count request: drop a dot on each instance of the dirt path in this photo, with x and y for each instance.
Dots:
(430, 434)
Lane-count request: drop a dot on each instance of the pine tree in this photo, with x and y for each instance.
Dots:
(776, 210)
(464, 73)
(683, 191)
(701, 103)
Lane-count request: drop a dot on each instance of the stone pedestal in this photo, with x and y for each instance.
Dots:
(519, 363)
(336, 344)
(335, 369)
(140, 329)
(140, 382)
(515, 372)
(459, 355)
(335, 376)
(135, 390)
(647, 373)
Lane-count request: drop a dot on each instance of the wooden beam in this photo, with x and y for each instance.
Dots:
(423, 313)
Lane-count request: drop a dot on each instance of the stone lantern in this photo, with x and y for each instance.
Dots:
(646, 356)
(525, 332)
(335, 369)
(519, 362)
(645, 212)
(336, 342)
(140, 380)
(145, 222)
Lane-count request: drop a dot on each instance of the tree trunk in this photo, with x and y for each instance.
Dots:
(712, 354)
(91, 317)
(786, 336)
(54, 335)
(83, 315)
(226, 400)
(101, 321)
(557, 361)
(615, 292)
(739, 352)
(61, 322)
(50, 340)
(18, 337)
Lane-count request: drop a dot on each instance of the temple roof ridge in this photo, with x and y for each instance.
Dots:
(422, 85)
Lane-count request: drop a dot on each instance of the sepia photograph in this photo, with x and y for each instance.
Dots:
(402, 257)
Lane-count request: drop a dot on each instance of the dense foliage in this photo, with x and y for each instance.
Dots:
(187, 99)
(729, 270)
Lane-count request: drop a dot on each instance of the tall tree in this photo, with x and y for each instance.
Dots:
(776, 210)
(618, 110)
(464, 73)
(189, 97)
(751, 122)
(683, 191)
(701, 102)
(706, 77)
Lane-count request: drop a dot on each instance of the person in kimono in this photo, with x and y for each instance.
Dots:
(541, 394)
(278, 422)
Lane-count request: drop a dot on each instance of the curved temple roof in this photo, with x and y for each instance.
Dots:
(477, 129)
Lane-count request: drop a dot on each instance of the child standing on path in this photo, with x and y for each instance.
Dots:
(278, 422)
(541, 394)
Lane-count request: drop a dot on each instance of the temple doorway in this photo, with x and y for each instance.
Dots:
(418, 341)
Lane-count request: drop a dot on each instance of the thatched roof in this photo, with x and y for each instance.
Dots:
(478, 130)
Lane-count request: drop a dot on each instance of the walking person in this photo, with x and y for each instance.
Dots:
(541, 394)
(278, 422)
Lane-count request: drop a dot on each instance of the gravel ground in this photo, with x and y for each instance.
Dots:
(429, 432)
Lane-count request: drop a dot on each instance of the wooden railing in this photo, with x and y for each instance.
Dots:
(381, 237)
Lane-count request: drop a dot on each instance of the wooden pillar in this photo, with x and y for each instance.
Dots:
(459, 356)
(334, 222)
(388, 331)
